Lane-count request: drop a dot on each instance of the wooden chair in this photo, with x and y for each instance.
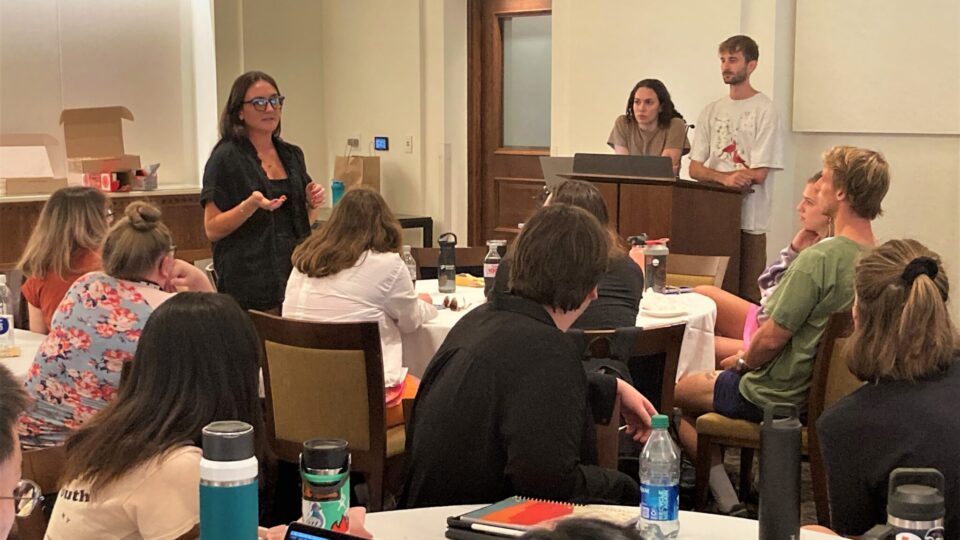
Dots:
(45, 467)
(693, 270)
(326, 381)
(831, 381)
(469, 260)
(655, 342)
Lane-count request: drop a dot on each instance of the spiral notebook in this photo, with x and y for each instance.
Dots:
(514, 516)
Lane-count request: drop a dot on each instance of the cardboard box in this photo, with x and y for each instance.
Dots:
(94, 142)
(25, 164)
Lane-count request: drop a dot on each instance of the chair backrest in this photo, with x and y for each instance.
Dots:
(831, 381)
(469, 260)
(655, 342)
(322, 380)
(45, 467)
(693, 270)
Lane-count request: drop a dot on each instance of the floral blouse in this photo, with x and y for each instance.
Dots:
(94, 330)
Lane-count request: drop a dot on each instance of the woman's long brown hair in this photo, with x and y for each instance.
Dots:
(360, 222)
(585, 195)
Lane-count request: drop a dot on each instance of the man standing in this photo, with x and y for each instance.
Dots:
(738, 143)
(505, 407)
(778, 366)
(13, 401)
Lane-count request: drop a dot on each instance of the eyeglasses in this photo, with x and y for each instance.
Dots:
(260, 103)
(173, 251)
(26, 497)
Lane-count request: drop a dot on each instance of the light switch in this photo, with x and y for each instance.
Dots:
(408, 144)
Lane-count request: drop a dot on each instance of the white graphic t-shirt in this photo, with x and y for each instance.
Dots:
(738, 134)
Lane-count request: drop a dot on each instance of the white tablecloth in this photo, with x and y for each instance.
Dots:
(28, 342)
(430, 524)
(696, 352)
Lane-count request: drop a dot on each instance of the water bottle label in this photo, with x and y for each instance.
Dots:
(6, 324)
(490, 270)
(659, 503)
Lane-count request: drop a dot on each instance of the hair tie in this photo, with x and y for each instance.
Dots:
(920, 265)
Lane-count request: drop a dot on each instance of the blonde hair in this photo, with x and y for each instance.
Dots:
(136, 242)
(863, 174)
(74, 218)
(361, 221)
(904, 331)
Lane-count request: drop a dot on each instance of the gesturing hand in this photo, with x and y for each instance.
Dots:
(315, 195)
(267, 204)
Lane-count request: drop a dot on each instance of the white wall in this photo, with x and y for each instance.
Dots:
(60, 54)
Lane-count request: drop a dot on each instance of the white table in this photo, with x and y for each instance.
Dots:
(28, 342)
(696, 351)
(430, 524)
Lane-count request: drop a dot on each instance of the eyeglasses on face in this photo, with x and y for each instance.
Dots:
(26, 497)
(260, 103)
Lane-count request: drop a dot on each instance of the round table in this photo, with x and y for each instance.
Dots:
(430, 523)
(28, 342)
(696, 351)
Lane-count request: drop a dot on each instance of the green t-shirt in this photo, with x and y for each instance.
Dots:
(818, 283)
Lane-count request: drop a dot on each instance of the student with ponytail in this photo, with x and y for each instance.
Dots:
(905, 350)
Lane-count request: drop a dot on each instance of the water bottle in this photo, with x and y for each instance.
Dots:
(655, 264)
(336, 191)
(915, 506)
(447, 271)
(7, 345)
(659, 484)
(490, 264)
(228, 482)
(410, 262)
(780, 472)
(325, 474)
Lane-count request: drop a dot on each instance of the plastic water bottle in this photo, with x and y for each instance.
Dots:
(490, 264)
(6, 319)
(659, 484)
(410, 262)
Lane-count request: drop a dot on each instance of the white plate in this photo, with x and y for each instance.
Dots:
(663, 314)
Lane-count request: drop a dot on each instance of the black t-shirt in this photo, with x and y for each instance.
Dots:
(505, 408)
(618, 295)
(883, 426)
(253, 262)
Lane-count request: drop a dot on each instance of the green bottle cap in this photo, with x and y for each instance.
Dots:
(661, 421)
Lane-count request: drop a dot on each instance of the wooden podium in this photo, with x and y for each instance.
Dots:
(699, 218)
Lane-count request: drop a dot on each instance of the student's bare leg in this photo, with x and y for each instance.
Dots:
(731, 311)
(694, 396)
(725, 347)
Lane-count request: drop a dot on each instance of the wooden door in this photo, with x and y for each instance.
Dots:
(505, 181)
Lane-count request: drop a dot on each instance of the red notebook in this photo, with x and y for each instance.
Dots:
(522, 514)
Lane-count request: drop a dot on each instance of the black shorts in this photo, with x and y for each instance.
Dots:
(728, 401)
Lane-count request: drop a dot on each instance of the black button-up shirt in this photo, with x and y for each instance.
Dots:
(505, 408)
(253, 262)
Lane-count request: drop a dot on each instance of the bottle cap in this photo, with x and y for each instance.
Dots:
(228, 441)
(916, 494)
(660, 421)
(325, 454)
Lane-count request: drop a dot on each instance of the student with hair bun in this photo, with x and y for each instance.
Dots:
(905, 349)
(97, 325)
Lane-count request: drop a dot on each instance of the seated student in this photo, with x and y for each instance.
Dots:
(505, 407)
(778, 366)
(97, 325)
(738, 319)
(64, 245)
(651, 125)
(13, 400)
(906, 348)
(620, 287)
(350, 270)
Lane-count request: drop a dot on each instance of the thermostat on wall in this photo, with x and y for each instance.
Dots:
(381, 143)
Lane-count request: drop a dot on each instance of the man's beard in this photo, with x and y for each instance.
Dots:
(736, 77)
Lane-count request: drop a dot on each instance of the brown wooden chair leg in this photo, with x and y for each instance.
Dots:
(701, 488)
(746, 472)
(375, 487)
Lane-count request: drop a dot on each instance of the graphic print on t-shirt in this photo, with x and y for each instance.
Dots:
(732, 138)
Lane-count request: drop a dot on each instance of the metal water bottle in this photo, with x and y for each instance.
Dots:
(228, 482)
(325, 474)
(337, 189)
(447, 263)
(655, 264)
(780, 472)
(915, 506)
